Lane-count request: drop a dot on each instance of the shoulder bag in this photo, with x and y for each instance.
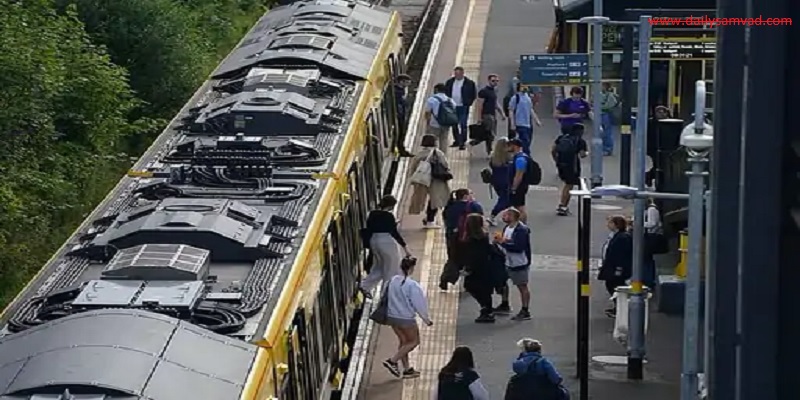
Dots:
(438, 169)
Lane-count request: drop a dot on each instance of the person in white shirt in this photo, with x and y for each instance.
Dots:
(464, 92)
(652, 219)
(406, 300)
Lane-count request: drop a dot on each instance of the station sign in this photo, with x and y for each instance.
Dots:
(553, 69)
(681, 50)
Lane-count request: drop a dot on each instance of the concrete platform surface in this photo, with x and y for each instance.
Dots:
(497, 33)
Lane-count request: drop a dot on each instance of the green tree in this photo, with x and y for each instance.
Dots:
(63, 107)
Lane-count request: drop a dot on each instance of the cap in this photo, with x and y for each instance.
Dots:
(515, 142)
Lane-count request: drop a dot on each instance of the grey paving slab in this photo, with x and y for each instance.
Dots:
(516, 27)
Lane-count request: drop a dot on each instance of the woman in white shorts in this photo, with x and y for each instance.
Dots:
(406, 300)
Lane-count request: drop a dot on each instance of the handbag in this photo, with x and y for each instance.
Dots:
(423, 174)
(439, 171)
(380, 315)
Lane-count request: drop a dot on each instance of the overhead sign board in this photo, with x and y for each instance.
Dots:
(553, 69)
(662, 49)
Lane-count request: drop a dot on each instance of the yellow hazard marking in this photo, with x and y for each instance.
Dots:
(586, 290)
(625, 129)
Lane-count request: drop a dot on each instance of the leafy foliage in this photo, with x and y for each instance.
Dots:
(85, 84)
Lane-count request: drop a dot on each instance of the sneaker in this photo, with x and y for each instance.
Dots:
(429, 224)
(454, 145)
(563, 211)
(444, 286)
(523, 315)
(485, 319)
(462, 147)
(611, 313)
(410, 373)
(502, 309)
(392, 367)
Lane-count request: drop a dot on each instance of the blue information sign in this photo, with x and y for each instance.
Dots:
(553, 69)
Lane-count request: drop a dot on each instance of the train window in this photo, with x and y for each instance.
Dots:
(317, 354)
(289, 387)
(390, 108)
(356, 197)
(375, 144)
(379, 131)
(338, 268)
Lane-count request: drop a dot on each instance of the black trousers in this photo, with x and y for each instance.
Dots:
(480, 291)
(612, 284)
(452, 267)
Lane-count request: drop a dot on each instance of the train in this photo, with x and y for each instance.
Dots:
(225, 264)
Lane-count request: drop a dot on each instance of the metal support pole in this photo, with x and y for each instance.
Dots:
(584, 250)
(636, 319)
(596, 76)
(627, 97)
(691, 312)
(722, 276)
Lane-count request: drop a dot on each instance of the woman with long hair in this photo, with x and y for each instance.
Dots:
(500, 165)
(382, 238)
(405, 300)
(461, 204)
(482, 260)
(458, 379)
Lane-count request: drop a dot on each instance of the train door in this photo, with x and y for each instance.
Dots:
(373, 163)
(659, 92)
(290, 385)
(687, 72)
(329, 300)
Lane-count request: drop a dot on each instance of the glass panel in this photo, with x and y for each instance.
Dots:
(612, 65)
(709, 70)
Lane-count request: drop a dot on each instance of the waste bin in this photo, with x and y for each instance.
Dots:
(622, 298)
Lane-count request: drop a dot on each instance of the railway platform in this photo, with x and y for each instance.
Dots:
(485, 37)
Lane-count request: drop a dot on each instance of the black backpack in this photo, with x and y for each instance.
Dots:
(446, 114)
(533, 173)
(456, 387)
(486, 175)
(533, 384)
(566, 149)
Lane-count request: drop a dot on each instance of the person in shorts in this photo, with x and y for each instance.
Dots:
(519, 176)
(515, 239)
(567, 151)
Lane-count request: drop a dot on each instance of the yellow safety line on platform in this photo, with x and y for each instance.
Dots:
(439, 340)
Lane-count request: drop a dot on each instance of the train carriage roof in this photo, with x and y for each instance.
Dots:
(341, 37)
(123, 354)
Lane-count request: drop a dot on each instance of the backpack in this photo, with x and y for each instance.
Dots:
(566, 149)
(534, 384)
(452, 387)
(533, 172)
(446, 114)
(486, 175)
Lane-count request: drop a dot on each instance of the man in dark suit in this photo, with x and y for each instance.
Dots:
(464, 92)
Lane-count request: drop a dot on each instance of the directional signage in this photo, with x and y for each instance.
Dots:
(682, 49)
(553, 69)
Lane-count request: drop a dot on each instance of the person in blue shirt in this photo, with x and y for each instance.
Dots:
(461, 204)
(522, 117)
(519, 178)
(572, 110)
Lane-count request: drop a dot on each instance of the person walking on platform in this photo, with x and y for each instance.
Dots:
(522, 117)
(657, 243)
(572, 110)
(523, 169)
(617, 266)
(488, 107)
(484, 264)
(514, 86)
(567, 151)
(515, 239)
(437, 192)
(611, 107)
(535, 377)
(499, 176)
(440, 115)
(461, 204)
(458, 379)
(405, 300)
(402, 82)
(463, 91)
(382, 238)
